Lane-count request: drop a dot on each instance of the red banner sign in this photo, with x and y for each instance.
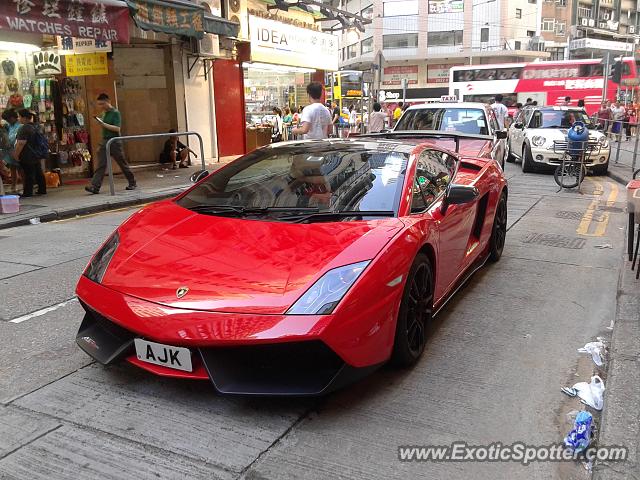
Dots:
(71, 18)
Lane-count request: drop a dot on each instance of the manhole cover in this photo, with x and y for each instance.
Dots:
(569, 215)
(611, 209)
(554, 240)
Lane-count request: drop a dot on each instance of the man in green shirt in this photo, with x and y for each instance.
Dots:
(110, 122)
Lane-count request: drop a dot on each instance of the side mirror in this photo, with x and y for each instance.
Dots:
(501, 134)
(518, 125)
(457, 195)
(199, 175)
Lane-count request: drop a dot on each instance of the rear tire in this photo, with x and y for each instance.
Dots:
(527, 160)
(415, 313)
(499, 230)
(509, 157)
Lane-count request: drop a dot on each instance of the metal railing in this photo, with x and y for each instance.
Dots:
(112, 187)
(617, 131)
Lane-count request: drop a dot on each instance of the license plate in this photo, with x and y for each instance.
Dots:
(178, 358)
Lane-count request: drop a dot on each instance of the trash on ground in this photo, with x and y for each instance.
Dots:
(580, 435)
(591, 394)
(572, 392)
(588, 466)
(34, 221)
(604, 245)
(596, 350)
(160, 176)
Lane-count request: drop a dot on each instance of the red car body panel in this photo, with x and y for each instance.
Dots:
(243, 275)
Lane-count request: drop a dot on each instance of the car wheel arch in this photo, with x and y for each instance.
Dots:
(430, 252)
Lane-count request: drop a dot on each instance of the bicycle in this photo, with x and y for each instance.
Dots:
(575, 154)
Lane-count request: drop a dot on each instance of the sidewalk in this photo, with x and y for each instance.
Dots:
(622, 170)
(71, 199)
(621, 413)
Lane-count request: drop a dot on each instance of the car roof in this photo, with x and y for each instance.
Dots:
(452, 105)
(553, 107)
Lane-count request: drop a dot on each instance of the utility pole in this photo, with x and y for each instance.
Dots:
(605, 75)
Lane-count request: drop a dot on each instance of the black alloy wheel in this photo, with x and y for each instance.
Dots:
(499, 231)
(416, 311)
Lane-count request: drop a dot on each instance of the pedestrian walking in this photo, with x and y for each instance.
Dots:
(7, 147)
(567, 102)
(629, 112)
(397, 113)
(111, 122)
(617, 112)
(278, 126)
(581, 104)
(633, 120)
(335, 118)
(529, 102)
(31, 149)
(377, 119)
(500, 110)
(353, 119)
(604, 117)
(315, 120)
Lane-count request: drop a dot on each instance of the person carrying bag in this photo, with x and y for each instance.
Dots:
(31, 148)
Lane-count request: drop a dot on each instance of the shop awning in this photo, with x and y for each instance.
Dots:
(97, 19)
(174, 17)
(220, 26)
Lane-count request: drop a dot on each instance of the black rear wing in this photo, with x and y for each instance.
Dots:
(428, 135)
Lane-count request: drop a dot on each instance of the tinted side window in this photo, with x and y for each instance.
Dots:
(536, 120)
(434, 171)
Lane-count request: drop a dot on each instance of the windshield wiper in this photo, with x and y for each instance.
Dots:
(240, 210)
(341, 214)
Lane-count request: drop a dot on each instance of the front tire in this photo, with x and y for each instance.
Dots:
(600, 169)
(527, 160)
(509, 156)
(499, 230)
(414, 316)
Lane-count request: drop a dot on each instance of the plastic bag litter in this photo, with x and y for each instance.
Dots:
(34, 221)
(580, 435)
(596, 350)
(591, 394)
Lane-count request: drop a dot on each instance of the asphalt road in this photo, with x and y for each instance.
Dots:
(492, 370)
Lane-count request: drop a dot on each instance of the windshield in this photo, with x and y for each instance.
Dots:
(323, 177)
(450, 119)
(558, 118)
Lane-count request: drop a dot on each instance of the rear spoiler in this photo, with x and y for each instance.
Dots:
(429, 134)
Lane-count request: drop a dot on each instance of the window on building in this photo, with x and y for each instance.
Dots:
(442, 39)
(530, 33)
(561, 28)
(342, 54)
(405, 40)
(484, 35)
(366, 46)
(548, 24)
(533, 1)
(352, 51)
(517, 45)
(557, 53)
(403, 7)
(367, 12)
(518, 13)
(561, 3)
(584, 12)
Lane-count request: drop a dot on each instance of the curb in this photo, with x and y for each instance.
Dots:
(619, 177)
(103, 207)
(619, 423)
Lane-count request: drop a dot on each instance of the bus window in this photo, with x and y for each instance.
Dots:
(488, 74)
(509, 73)
(463, 76)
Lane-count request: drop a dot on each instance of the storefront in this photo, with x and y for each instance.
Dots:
(44, 66)
(287, 52)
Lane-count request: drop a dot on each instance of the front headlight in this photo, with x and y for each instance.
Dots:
(326, 293)
(98, 265)
(538, 140)
(603, 142)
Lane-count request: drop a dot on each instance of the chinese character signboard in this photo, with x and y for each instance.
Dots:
(394, 75)
(284, 44)
(168, 18)
(73, 45)
(446, 6)
(86, 64)
(73, 18)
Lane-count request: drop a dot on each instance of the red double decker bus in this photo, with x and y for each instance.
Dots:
(546, 82)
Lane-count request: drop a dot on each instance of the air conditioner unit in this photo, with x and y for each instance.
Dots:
(606, 16)
(592, 22)
(207, 46)
(579, 34)
(602, 25)
(584, 22)
(632, 29)
(236, 11)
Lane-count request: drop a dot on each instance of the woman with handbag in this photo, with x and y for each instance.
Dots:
(277, 127)
(6, 151)
(31, 149)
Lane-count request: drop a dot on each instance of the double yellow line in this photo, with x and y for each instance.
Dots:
(587, 218)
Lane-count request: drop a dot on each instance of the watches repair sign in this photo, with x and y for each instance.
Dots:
(87, 64)
(284, 44)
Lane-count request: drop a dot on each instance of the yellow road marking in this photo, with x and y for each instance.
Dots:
(587, 218)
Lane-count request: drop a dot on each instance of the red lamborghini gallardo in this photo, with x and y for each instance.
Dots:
(298, 267)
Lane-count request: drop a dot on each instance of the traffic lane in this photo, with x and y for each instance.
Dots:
(183, 417)
(71, 453)
(20, 427)
(41, 288)
(11, 269)
(491, 371)
(39, 351)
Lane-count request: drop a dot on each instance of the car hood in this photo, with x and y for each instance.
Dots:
(230, 264)
(559, 133)
(471, 148)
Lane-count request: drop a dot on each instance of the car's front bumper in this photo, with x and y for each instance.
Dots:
(547, 156)
(239, 353)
